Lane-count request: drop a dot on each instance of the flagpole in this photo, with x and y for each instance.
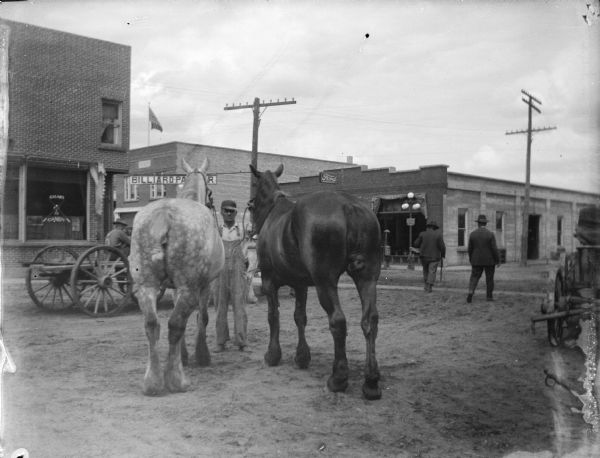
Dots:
(148, 123)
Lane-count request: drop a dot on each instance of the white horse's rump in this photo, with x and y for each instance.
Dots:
(176, 242)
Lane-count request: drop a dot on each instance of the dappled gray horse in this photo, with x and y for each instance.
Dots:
(175, 241)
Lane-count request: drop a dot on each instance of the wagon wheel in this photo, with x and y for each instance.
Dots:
(100, 281)
(556, 326)
(47, 278)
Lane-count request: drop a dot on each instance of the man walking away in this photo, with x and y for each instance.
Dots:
(483, 256)
(432, 250)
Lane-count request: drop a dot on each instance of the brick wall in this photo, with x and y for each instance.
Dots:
(57, 81)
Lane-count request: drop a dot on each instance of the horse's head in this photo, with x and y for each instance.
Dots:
(267, 190)
(196, 183)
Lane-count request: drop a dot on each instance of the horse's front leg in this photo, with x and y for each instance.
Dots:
(302, 350)
(328, 297)
(369, 323)
(273, 354)
(185, 302)
(153, 379)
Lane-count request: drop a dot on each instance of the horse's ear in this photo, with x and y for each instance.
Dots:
(204, 167)
(186, 167)
(255, 172)
(279, 171)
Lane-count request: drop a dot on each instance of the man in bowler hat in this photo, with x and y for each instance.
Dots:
(432, 250)
(483, 256)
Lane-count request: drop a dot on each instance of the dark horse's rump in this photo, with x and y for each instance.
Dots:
(311, 243)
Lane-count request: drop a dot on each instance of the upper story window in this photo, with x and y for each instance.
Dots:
(157, 191)
(111, 122)
(462, 226)
(130, 191)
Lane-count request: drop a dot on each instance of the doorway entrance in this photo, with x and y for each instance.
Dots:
(533, 237)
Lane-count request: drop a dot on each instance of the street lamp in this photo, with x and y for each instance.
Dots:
(410, 204)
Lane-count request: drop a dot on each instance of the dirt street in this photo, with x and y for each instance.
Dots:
(459, 380)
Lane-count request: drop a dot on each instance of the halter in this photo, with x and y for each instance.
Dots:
(207, 191)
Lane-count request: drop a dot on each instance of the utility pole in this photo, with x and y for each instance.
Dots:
(530, 103)
(256, 112)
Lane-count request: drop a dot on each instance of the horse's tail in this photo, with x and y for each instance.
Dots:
(356, 263)
(159, 233)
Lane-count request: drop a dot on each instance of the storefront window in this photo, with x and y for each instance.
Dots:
(55, 207)
(10, 204)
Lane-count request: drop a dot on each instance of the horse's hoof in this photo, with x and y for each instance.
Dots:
(176, 382)
(153, 388)
(371, 392)
(302, 359)
(336, 385)
(272, 358)
(203, 359)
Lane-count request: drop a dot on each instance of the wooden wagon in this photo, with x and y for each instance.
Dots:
(98, 281)
(574, 287)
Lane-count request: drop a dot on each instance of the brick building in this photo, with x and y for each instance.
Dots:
(455, 200)
(68, 135)
(228, 171)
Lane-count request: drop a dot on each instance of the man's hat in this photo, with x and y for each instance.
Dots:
(432, 223)
(228, 205)
(481, 219)
(120, 221)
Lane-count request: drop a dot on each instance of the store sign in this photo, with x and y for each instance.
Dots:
(325, 177)
(165, 179)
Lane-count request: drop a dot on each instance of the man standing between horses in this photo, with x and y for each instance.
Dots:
(432, 251)
(232, 281)
(483, 256)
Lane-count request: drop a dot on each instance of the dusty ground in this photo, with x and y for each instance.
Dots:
(458, 380)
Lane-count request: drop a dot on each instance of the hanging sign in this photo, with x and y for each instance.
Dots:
(165, 179)
(325, 177)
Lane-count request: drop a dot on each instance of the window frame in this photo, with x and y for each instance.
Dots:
(116, 124)
(130, 191)
(154, 191)
(462, 231)
(559, 230)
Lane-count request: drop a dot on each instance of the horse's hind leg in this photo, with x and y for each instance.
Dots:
(153, 379)
(328, 297)
(273, 354)
(369, 323)
(185, 302)
(202, 351)
(302, 350)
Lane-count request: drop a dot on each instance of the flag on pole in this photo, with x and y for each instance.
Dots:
(154, 123)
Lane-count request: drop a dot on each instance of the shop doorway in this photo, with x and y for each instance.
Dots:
(400, 231)
(533, 237)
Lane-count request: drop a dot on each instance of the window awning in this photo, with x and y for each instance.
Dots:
(392, 204)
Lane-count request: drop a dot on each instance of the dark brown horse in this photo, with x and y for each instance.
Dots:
(311, 242)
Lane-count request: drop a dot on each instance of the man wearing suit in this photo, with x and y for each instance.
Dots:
(483, 256)
(432, 250)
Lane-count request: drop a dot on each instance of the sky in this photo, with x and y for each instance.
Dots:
(390, 83)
